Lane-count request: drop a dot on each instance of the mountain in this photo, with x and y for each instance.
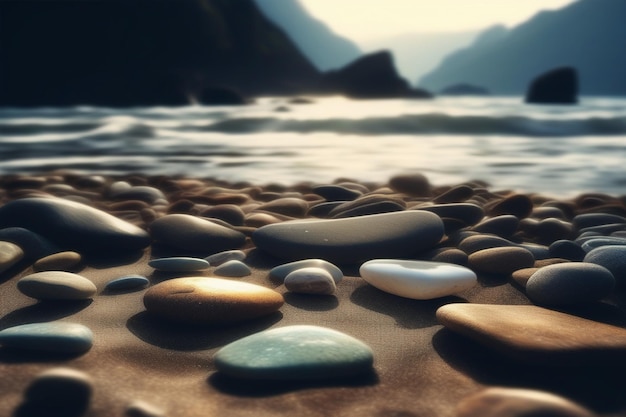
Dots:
(326, 49)
(588, 35)
(140, 52)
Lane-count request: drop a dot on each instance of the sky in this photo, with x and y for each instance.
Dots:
(362, 20)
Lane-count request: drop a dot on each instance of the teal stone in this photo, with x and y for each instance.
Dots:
(300, 352)
(59, 337)
(128, 282)
(280, 272)
(179, 264)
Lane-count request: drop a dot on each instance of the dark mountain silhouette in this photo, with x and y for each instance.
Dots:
(588, 35)
(326, 49)
(128, 53)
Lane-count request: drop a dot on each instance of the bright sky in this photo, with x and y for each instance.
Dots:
(365, 19)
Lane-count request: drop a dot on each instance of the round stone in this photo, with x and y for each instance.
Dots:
(127, 282)
(233, 268)
(56, 285)
(62, 261)
(10, 254)
(179, 264)
(420, 280)
(414, 184)
(59, 391)
(299, 352)
(567, 249)
(310, 281)
(210, 300)
(230, 255)
(501, 261)
(612, 258)
(569, 283)
(280, 272)
(59, 337)
(475, 243)
(504, 225)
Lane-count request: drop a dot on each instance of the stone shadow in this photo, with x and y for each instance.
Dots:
(311, 302)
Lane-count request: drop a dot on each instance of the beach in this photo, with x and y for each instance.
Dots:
(426, 360)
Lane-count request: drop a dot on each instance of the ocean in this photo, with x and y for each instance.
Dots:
(555, 150)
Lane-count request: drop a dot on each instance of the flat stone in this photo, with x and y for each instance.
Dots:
(323, 209)
(612, 258)
(468, 213)
(519, 205)
(586, 220)
(191, 233)
(368, 201)
(550, 230)
(590, 244)
(200, 300)
(310, 281)
(570, 283)
(233, 268)
(354, 239)
(517, 402)
(455, 195)
(521, 276)
(127, 282)
(501, 261)
(288, 206)
(446, 255)
(230, 255)
(567, 249)
(280, 272)
(369, 209)
(336, 193)
(62, 261)
(56, 285)
(299, 352)
(504, 225)
(420, 280)
(59, 391)
(73, 226)
(179, 264)
(537, 335)
(539, 252)
(10, 254)
(59, 337)
(475, 243)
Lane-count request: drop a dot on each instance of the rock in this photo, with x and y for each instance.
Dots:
(521, 276)
(194, 234)
(220, 96)
(288, 206)
(57, 337)
(504, 225)
(536, 335)
(368, 203)
(323, 209)
(56, 285)
(420, 280)
(501, 261)
(10, 254)
(354, 239)
(446, 255)
(412, 184)
(127, 282)
(368, 209)
(583, 221)
(517, 402)
(591, 244)
(550, 230)
(519, 205)
(557, 86)
(62, 261)
(612, 258)
(299, 352)
(476, 243)
(468, 213)
(179, 264)
(59, 392)
(567, 249)
(34, 245)
(230, 255)
(539, 252)
(464, 90)
(233, 268)
(139, 192)
(336, 193)
(280, 272)
(454, 195)
(310, 281)
(200, 300)
(73, 226)
(230, 213)
(139, 408)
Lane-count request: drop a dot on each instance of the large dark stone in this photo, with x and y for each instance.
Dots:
(557, 86)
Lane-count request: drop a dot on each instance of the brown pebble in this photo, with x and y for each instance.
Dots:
(260, 219)
(519, 205)
(456, 194)
(501, 261)
(230, 213)
(62, 261)
(521, 276)
(288, 206)
(540, 263)
(412, 184)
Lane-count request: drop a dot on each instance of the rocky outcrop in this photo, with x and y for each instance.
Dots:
(557, 86)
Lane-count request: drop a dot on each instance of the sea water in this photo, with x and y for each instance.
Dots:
(558, 150)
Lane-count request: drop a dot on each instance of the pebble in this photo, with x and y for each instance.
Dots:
(323, 209)
(229, 213)
(73, 226)
(310, 281)
(503, 226)
(230, 255)
(586, 220)
(420, 280)
(351, 240)
(300, 352)
(139, 408)
(519, 205)
(589, 245)
(59, 392)
(521, 276)
(455, 195)
(62, 261)
(612, 258)
(179, 264)
(336, 193)
(518, 402)
(200, 300)
(280, 272)
(412, 184)
(233, 268)
(368, 209)
(569, 283)
(10, 254)
(139, 192)
(470, 214)
(567, 249)
(194, 234)
(536, 335)
(56, 285)
(127, 282)
(501, 261)
(58, 337)
(34, 245)
(446, 255)
(476, 243)
(288, 206)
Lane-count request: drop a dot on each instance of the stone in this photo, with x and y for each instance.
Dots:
(501, 261)
(230, 255)
(567, 249)
(550, 230)
(140, 408)
(475, 243)
(59, 391)
(446, 255)
(454, 195)
(468, 213)
(139, 192)
(351, 240)
(288, 206)
(420, 280)
(73, 226)
(194, 234)
(557, 86)
(412, 184)
(323, 209)
(521, 276)
(63, 261)
(539, 252)
(536, 335)
(56, 285)
(612, 258)
(230, 213)
(590, 244)
(280, 272)
(233, 268)
(586, 220)
(55, 337)
(10, 254)
(300, 352)
(201, 300)
(518, 402)
(179, 264)
(519, 205)
(127, 282)
(310, 281)
(504, 225)
(368, 203)
(368, 209)
(34, 245)
(333, 193)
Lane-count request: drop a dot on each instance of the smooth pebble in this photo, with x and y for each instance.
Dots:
(179, 264)
(56, 285)
(233, 268)
(310, 281)
(280, 272)
(127, 282)
(60, 337)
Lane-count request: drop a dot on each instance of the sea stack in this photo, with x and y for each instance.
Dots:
(557, 86)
